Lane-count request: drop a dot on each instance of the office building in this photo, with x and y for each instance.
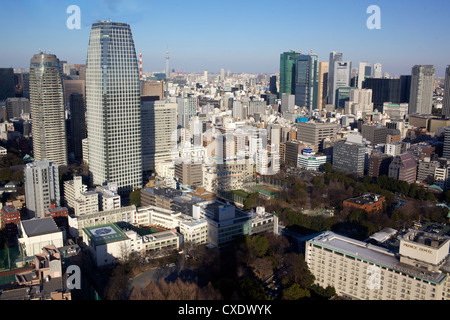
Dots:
(77, 122)
(358, 270)
(364, 72)
(446, 151)
(41, 187)
(376, 134)
(377, 71)
(334, 57)
(403, 167)
(287, 102)
(159, 125)
(73, 86)
(446, 102)
(153, 88)
(422, 88)
(189, 174)
(379, 164)
(310, 161)
(113, 107)
(315, 133)
(273, 85)
(385, 90)
(47, 109)
(349, 156)
(187, 108)
(16, 107)
(322, 86)
(7, 83)
(360, 101)
(306, 81)
(288, 62)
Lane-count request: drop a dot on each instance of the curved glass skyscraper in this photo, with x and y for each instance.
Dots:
(47, 109)
(113, 107)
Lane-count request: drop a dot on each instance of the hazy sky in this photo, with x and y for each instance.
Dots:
(242, 36)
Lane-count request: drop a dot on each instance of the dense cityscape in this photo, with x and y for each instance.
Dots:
(326, 180)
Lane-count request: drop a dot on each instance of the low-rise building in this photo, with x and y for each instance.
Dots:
(369, 202)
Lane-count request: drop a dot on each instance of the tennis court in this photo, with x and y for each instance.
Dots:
(268, 191)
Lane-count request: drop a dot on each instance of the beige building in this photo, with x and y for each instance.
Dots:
(78, 199)
(153, 88)
(358, 270)
(322, 85)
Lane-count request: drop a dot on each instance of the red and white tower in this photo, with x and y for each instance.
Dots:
(140, 66)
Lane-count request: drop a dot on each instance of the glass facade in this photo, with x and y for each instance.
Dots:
(287, 72)
(113, 107)
(306, 81)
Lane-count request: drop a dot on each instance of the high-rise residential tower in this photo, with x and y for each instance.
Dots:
(422, 87)
(446, 103)
(47, 109)
(113, 107)
(288, 62)
(41, 187)
(306, 81)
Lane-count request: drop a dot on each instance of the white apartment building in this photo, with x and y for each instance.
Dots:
(356, 269)
(78, 199)
(108, 198)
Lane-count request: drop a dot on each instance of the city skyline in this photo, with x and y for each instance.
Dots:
(242, 37)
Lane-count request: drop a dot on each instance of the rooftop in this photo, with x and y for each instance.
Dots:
(37, 227)
(373, 254)
(105, 233)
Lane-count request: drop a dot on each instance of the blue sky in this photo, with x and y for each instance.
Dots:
(242, 36)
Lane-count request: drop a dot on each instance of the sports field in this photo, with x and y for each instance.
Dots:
(268, 191)
(148, 230)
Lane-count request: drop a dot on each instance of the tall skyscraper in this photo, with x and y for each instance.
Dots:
(334, 57)
(422, 87)
(306, 81)
(364, 72)
(288, 62)
(6, 83)
(322, 87)
(47, 109)
(446, 103)
(377, 72)
(341, 78)
(41, 187)
(77, 109)
(113, 107)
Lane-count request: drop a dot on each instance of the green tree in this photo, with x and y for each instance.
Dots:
(295, 292)
(135, 197)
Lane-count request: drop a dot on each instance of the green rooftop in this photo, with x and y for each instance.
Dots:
(105, 233)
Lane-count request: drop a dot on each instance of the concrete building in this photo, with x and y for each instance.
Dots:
(153, 88)
(315, 133)
(287, 102)
(369, 202)
(322, 87)
(47, 109)
(15, 107)
(41, 187)
(363, 271)
(35, 234)
(189, 174)
(187, 108)
(403, 167)
(364, 72)
(349, 156)
(159, 124)
(376, 134)
(78, 198)
(422, 87)
(9, 219)
(446, 102)
(108, 198)
(310, 161)
(379, 164)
